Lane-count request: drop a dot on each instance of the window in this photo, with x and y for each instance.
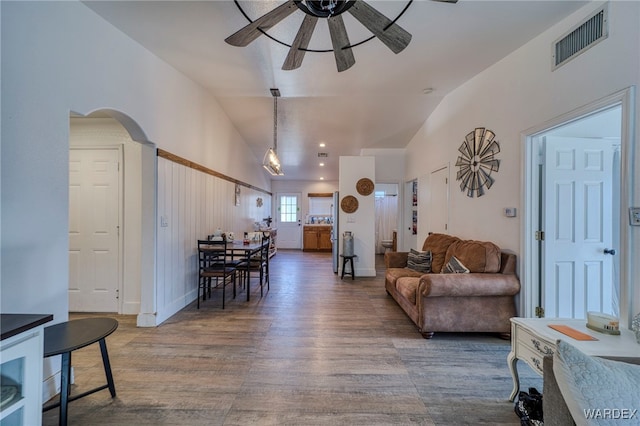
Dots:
(320, 205)
(288, 209)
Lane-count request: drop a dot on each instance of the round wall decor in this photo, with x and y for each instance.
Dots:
(349, 204)
(477, 161)
(365, 186)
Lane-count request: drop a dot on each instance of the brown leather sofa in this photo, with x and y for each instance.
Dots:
(479, 301)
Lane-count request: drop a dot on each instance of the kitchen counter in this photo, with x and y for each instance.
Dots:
(12, 324)
(21, 354)
(317, 237)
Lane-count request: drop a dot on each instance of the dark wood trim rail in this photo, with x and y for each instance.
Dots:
(321, 194)
(187, 163)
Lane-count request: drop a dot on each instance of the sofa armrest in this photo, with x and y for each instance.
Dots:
(474, 284)
(396, 259)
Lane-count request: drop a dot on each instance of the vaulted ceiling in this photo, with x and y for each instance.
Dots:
(380, 102)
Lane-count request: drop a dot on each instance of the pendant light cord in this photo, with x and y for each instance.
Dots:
(275, 124)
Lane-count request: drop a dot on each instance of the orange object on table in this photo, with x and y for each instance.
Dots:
(571, 332)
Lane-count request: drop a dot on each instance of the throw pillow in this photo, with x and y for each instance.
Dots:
(477, 256)
(597, 391)
(454, 266)
(419, 261)
(437, 244)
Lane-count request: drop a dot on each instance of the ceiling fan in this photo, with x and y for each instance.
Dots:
(386, 30)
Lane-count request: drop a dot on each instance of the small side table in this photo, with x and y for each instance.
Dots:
(66, 337)
(532, 339)
(349, 259)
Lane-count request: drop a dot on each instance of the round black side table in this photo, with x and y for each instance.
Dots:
(66, 337)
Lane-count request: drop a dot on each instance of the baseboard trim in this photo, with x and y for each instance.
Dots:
(146, 320)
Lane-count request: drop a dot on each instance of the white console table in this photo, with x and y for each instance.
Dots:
(532, 339)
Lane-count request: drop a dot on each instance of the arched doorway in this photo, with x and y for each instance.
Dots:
(111, 215)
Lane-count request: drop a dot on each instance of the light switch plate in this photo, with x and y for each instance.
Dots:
(634, 216)
(510, 211)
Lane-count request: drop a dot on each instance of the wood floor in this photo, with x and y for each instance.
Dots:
(315, 350)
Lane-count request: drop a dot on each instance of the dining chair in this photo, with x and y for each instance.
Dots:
(213, 263)
(260, 263)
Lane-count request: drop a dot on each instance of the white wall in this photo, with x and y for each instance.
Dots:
(516, 94)
(304, 187)
(60, 57)
(361, 223)
(389, 164)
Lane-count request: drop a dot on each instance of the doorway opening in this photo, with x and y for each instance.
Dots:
(386, 215)
(410, 221)
(573, 205)
(111, 190)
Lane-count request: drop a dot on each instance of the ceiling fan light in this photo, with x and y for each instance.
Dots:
(271, 163)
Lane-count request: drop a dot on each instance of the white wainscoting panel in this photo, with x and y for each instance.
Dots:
(191, 205)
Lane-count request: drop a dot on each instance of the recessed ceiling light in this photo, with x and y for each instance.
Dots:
(322, 145)
(427, 90)
(321, 164)
(321, 178)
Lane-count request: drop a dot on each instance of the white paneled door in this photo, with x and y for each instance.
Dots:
(94, 205)
(438, 216)
(578, 205)
(288, 221)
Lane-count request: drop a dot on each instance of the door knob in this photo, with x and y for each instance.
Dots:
(612, 252)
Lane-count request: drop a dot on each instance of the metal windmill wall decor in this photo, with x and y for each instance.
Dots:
(477, 162)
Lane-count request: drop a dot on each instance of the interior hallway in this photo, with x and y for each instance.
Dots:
(314, 350)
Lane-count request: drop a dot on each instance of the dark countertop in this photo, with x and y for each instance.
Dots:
(12, 324)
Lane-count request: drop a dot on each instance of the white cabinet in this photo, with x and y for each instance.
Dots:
(21, 355)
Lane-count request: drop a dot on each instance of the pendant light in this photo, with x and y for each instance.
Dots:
(271, 162)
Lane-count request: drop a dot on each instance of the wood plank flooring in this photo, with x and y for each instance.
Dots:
(315, 350)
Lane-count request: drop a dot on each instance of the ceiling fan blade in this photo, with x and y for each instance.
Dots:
(394, 36)
(296, 52)
(446, 1)
(340, 39)
(246, 35)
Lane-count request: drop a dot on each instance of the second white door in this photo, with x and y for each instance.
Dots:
(288, 221)
(578, 232)
(94, 230)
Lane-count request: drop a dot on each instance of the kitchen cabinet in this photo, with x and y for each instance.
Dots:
(317, 238)
(21, 353)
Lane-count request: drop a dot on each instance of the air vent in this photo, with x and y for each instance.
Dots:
(581, 37)
(323, 154)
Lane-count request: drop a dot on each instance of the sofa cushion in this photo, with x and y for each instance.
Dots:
(597, 386)
(394, 274)
(438, 244)
(454, 266)
(408, 288)
(477, 256)
(419, 261)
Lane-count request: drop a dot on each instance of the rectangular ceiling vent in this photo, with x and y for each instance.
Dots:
(580, 38)
(323, 154)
